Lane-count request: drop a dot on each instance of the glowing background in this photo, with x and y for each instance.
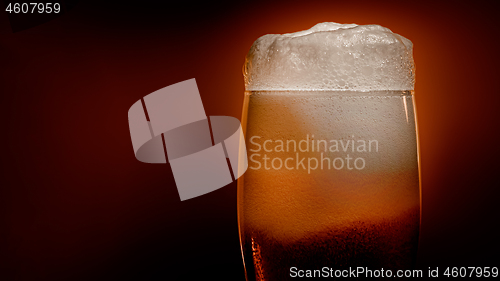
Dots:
(76, 204)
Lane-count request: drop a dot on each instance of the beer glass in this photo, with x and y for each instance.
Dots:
(333, 178)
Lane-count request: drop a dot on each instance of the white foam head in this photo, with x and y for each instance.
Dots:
(331, 56)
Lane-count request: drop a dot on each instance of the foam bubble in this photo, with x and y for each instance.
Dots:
(331, 56)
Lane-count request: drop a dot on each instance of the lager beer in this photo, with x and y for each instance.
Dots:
(330, 130)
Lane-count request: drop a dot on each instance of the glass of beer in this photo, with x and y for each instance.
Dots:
(333, 177)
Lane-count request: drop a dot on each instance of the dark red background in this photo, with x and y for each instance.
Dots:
(76, 204)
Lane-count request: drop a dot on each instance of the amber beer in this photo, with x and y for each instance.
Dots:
(333, 177)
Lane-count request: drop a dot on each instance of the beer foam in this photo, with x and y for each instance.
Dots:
(331, 56)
